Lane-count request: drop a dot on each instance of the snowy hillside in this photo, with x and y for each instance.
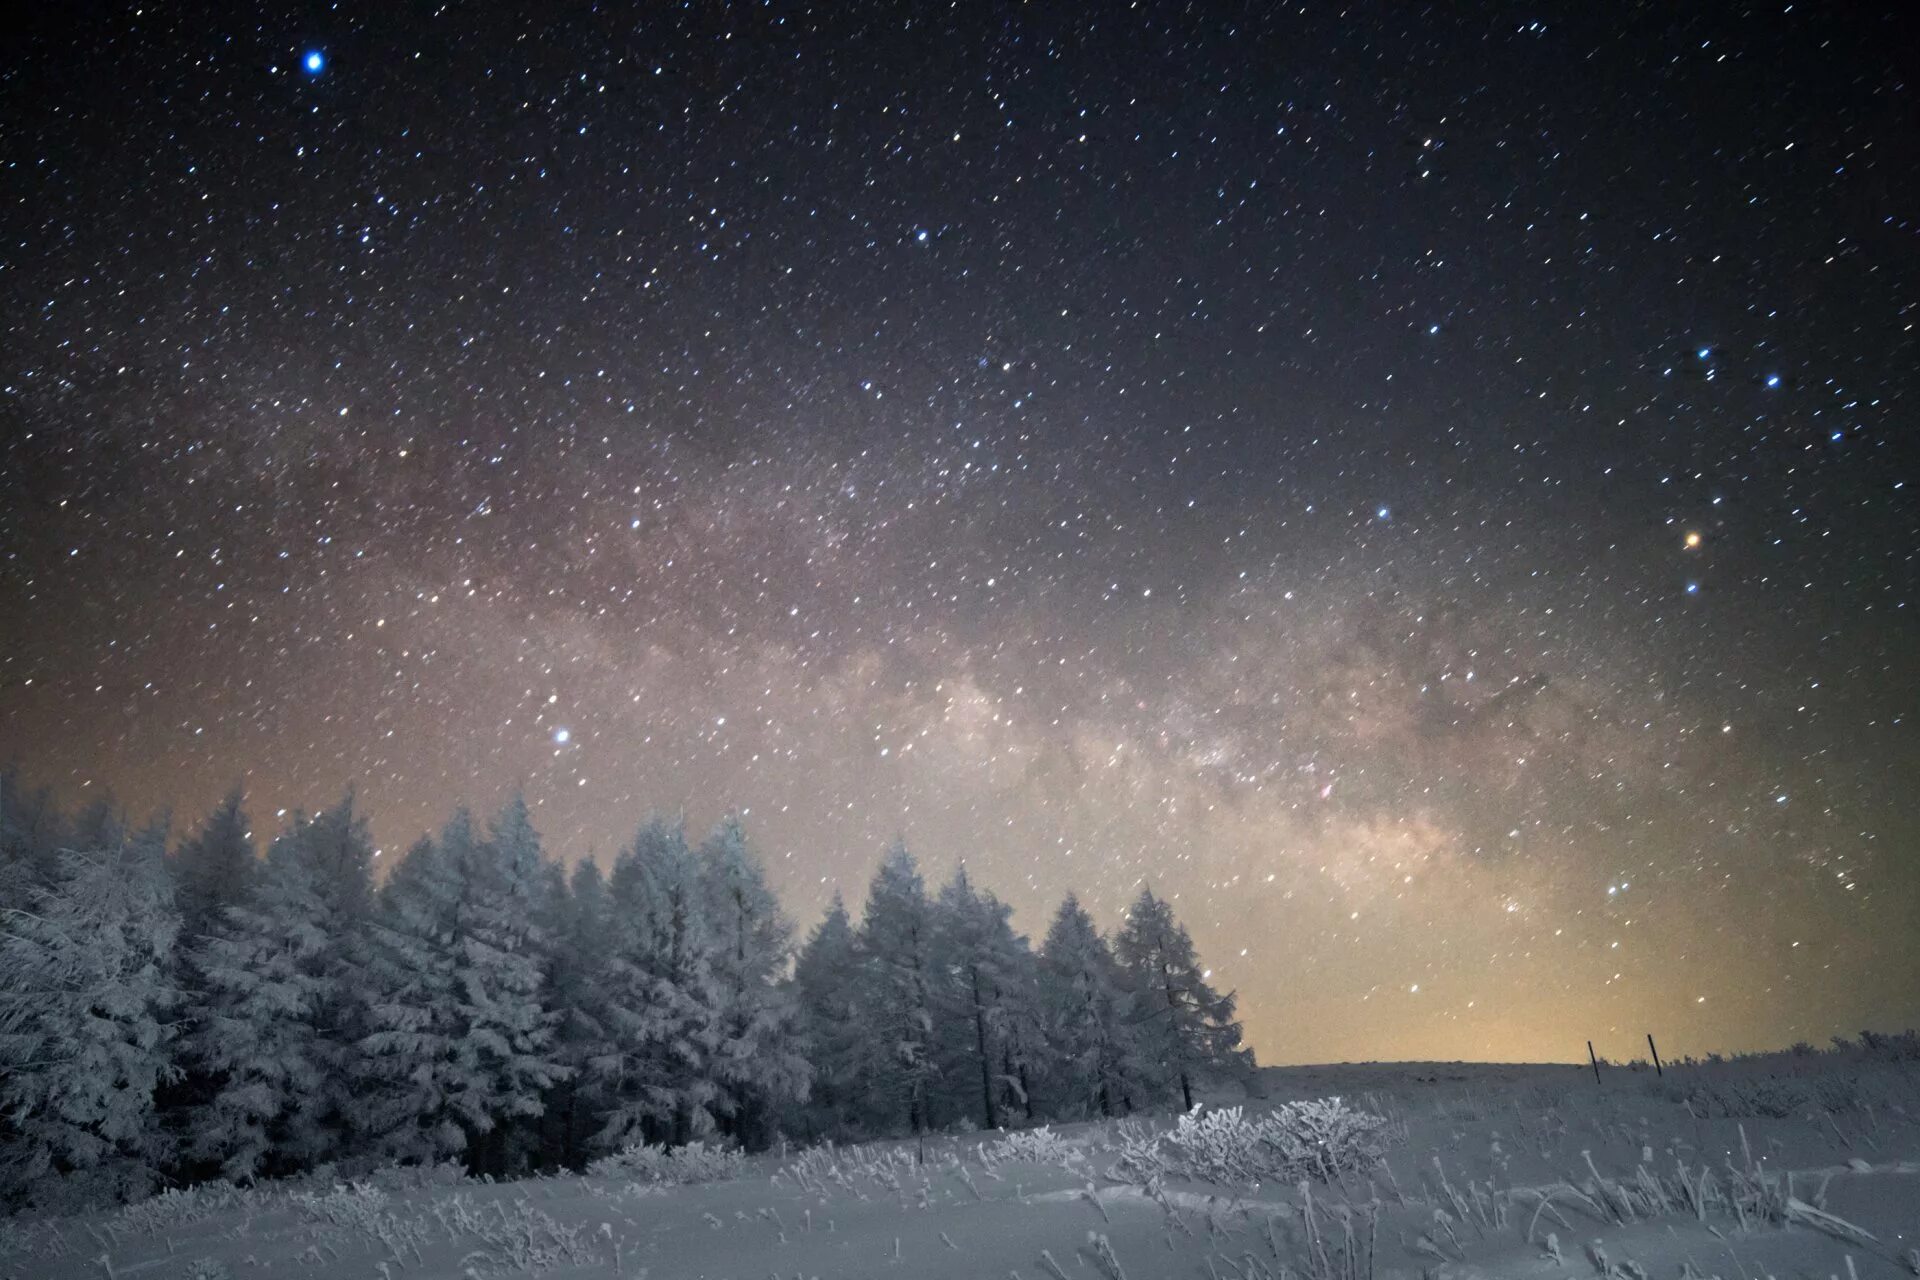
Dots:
(1780, 1168)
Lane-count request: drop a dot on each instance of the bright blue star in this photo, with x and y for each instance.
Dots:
(561, 736)
(1693, 588)
(1382, 514)
(1704, 352)
(315, 62)
(1773, 379)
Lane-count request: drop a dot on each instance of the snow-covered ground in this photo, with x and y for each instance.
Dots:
(1791, 1167)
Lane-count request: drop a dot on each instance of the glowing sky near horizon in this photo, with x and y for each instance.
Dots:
(1380, 482)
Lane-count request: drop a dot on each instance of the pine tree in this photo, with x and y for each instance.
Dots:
(508, 1045)
(460, 1049)
(405, 1061)
(983, 996)
(660, 999)
(278, 979)
(1181, 1022)
(584, 931)
(86, 1010)
(1085, 1012)
(896, 950)
(213, 868)
(826, 988)
(758, 1066)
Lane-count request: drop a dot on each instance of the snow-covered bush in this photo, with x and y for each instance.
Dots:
(177, 1207)
(670, 1166)
(1140, 1160)
(414, 1177)
(1323, 1139)
(358, 1207)
(1037, 1146)
(1220, 1146)
(518, 1240)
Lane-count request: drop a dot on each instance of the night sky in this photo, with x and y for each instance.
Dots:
(1432, 491)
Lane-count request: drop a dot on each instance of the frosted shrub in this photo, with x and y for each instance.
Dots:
(415, 1177)
(1219, 1146)
(1037, 1146)
(1140, 1160)
(1325, 1139)
(670, 1166)
(180, 1206)
(519, 1240)
(358, 1207)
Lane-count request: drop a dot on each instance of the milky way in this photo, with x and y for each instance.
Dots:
(1430, 495)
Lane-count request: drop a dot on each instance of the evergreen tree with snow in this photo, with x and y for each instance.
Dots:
(897, 1007)
(1091, 1064)
(460, 1048)
(661, 1004)
(984, 1000)
(406, 1056)
(758, 1067)
(583, 932)
(1183, 1025)
(825, 987)
(213, 868)
(279, 985)
(87, 1007)
(507, 1048)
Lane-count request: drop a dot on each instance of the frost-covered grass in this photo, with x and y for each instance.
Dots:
(1446, 1171)
(670, 1166)
(1324, 1139)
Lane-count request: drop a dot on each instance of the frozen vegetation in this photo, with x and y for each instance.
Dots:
(1442, 1171)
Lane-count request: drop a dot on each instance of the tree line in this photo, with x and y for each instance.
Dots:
(176, 1011)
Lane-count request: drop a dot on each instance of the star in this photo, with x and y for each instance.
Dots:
(315, 62)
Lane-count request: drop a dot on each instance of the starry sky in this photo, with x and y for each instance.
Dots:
(1432, 490)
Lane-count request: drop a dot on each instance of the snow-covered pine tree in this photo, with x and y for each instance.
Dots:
(583, 934)
(1085, 1012)
(404, 1067)
(279, 986)
(213, 868)
(460, 1046)
(507, 1049)
(758, 1066)
(86, 1027)
(826, 988)
(661, 1003)
(1180, 1020)
(983, 994)
(897, 1008)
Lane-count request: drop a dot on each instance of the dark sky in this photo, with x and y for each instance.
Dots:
(1433, 491)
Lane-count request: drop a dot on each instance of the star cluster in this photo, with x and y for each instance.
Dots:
(1429, 493)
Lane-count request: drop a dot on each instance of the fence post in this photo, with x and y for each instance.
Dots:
(1595, 1061)
(1656, 1056)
